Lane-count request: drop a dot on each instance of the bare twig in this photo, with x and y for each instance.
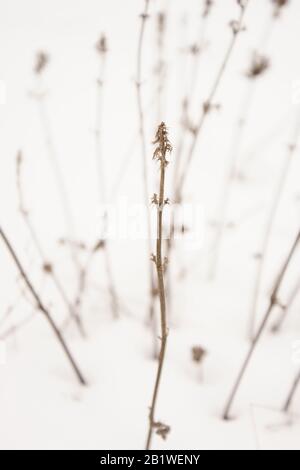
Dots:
(144, 17)
(163, 147)
(42, 308)
(272, 303)
(292, 392)
(46, 265)
(42, 60)
(269, 226)
(236, 27)
(286, 308)
(101, 48)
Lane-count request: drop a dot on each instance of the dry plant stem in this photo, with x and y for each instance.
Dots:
(197, 53)
(50, 272)
(164, 147)
(291, 394)
(286, 308)
(272, 303)
(102, 188)
(160, 67)
(185, 119)
(42, 308)
(231, 173)
(144, 17)
(57, 174)
(268, 230)
(179, 179)
(209, 101)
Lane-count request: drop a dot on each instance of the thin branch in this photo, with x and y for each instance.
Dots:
(42, 308)
(291, 394)
(237, 27)
(286, 308)
(144, 17)
(42, 60)
(47, 266)
(269, 227)
(272, 303)
(101, 48)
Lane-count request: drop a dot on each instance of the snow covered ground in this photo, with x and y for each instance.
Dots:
(41, 405)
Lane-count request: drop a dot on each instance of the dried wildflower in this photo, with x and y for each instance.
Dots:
(154, 199)
(47, 268)
(164, 146)
(207, 107)
(162, 429)
(236, 27)
(278, 5)
(153, 258)
(207, 7)
(194, 49)
(242, 3)
(161, 22)
(99, 245)
(198, 353)
(41, 60)
(259, 64)
(101, 45)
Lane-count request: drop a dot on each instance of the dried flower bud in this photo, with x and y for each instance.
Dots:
(198, 354)
(259, 64)
(236, 27)
(242, 3)
(99, 245)
(101, 45)
(194, 49)
(278, 5)
(47, 267)
(164, 146)
(207, 7)
(161, 22)
(41, 61)
(162, 429)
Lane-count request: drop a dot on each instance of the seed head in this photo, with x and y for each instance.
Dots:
(163, 144)
(207, 7)
(41, 60)
(161, 22)
(259, 64)
(278, 5)
(198, 353)
(101, 45)
(162, 429)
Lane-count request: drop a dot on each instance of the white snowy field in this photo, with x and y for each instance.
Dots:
(41, 404)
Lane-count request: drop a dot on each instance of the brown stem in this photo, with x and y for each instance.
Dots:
(230, 175)
(48, 268)
(268, 230)
(273, 301)
(209, 101)
(102, 179)
(144, 17)
(42, 308)
(159, 262)
(291, 394)
(286, 308)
